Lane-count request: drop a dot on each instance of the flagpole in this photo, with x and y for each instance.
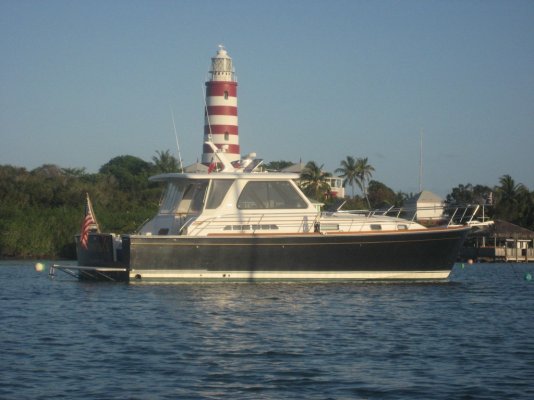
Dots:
(90, 206)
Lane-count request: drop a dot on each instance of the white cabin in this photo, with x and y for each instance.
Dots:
(251, 203)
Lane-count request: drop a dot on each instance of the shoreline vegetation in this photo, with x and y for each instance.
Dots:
(41, 210)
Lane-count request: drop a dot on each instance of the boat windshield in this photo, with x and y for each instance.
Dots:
(270, 195)
(218, 190)
(184, 197)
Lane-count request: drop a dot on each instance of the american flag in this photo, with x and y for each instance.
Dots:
(89, 223)
(212, 167)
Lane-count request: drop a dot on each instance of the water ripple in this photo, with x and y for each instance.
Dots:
(470, 338)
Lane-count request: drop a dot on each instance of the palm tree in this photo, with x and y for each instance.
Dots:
(349, 173)
(510, 191)
(364, 173)
(164, 161)
(313, 181)
(511, 200)
(277, 165)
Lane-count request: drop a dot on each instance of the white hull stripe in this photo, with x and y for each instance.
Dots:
(281, 275)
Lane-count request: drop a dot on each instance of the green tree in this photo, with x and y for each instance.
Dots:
(75, 172)
(313, 182)
(380, 195)
(356, 203)
(513, 201)
(528, 219)
(277, 165)
(461, 194)
(401, 197)
(12, 182)
(364, 173)
(42, 210)
(469, 194)
(349, 173)
(165, 162)
(509, 191)
(130, 173)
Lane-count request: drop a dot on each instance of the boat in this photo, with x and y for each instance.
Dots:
(242, 224)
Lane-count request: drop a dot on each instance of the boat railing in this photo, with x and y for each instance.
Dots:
(185, 225)
(348, 220)
(449, 215)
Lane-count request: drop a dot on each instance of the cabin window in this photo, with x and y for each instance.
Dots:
(226, 94)
(250, 227)
(329, 227)
(402, 227)
(171, 198)
(218, 190)
(270, 195)
(193, 198)
(376, 227)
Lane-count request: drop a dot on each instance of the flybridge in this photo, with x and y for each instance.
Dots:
(247, 164)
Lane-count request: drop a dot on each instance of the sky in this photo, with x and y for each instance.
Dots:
(82, 82)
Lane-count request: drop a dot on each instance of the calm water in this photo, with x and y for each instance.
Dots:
(472, 338)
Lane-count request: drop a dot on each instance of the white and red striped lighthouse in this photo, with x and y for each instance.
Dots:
(220, 121)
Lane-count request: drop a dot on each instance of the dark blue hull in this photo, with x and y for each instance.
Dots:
(421, 254)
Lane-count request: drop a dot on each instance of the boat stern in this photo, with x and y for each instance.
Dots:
(101, 257)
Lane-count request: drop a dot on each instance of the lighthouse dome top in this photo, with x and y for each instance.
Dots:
(221, 66)
(222, 53)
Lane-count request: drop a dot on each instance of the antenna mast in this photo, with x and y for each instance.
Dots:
(421, 161)
(210, 136)
(177, 143)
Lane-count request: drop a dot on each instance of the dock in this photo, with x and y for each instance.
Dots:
(503, 242)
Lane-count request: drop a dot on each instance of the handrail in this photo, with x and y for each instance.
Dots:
(186, 223)
(306, 221)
